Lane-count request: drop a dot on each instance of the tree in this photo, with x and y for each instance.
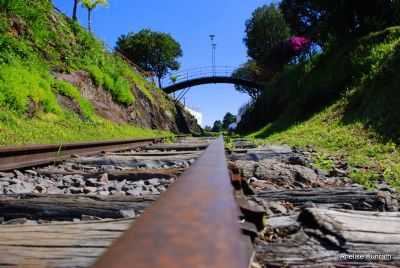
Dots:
(90, 5)
(264, 30)
(208, 128)
(217, 127)
(252, 72)
(228, 120)
(326, 21)
(75, 10)
(153, 51)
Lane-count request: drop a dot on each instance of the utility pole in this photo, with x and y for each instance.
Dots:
(213, 49)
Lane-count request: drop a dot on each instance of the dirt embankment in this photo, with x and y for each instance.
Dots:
(159, 113)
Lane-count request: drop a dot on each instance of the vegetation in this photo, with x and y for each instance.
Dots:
(217, 126)
(66, 128)
(154, 52)
(35, 43)
(90, 5)
(333, 21)
(252, 72)
(342, 97)
(344, 102)
(269, 46)
(68, 90)
(223, 125)
(228, 120)
(264, 30)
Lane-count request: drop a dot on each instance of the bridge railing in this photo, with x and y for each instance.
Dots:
(190, 74)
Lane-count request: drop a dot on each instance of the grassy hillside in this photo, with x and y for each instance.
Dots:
(344, 102)
(36, 43)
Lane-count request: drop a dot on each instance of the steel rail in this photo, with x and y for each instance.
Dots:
(194, 224)
(35, 155)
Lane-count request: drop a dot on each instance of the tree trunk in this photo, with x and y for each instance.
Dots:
(159, 81)
(90, 20)
(75, 11)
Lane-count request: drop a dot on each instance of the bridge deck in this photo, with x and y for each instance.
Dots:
(210, 80)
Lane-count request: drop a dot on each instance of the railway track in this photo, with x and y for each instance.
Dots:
(66, 207)
(145, 203)
(27, 156)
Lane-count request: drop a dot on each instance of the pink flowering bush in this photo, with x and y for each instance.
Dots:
(286, 50)
(299, 43)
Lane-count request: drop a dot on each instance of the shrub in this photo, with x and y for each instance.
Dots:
(122, 91)
(68, 90)
(19, 85)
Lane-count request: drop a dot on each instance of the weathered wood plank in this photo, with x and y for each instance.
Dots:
(339, 197)
(129, 175)
(67, 207)
(62, 245)
(325, 236)
(177, 147)
(153, 154)
(136, 161)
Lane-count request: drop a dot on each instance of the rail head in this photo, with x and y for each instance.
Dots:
(35, 155)
(194, 224)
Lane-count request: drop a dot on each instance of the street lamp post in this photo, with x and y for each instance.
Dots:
(213, 49)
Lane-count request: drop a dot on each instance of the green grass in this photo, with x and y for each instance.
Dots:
(46, 38)
(369, 157)
(119, 87)
(66, 89)
(344, 102)
(35, 42)
(20, 85)
(51, 128)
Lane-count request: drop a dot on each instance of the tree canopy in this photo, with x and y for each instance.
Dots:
(252, 72)
(154, 52)
(217, 127)
(326, 20)
(90, 5)
(228, 120)
(264, 30)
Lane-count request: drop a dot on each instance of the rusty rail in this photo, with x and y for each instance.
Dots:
(194, 224)
(34, 155)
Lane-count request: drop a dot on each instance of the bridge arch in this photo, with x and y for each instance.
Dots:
(205, 75)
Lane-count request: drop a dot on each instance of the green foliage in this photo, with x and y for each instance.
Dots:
(153, 51)
(327, 21)
(264, 30)
(69, 47)
(92, 4)
(97, 75)
(122, 90)
(322, 161)
(36, 12)
(119, 87)
(67, 127)
(40, 41)
(68, 90)
(252, 72)
(344, 102)
(217, 127)
(368, 156)
(3, 25)
(228, 120)
(20, 85)
(304, 89)
(13, 49)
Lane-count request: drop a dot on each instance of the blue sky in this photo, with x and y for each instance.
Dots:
(190, 23)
